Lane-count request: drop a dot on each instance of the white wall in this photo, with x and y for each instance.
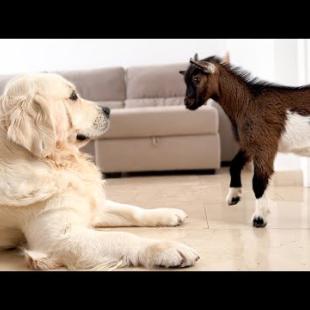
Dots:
(254, 55)
(29, 55)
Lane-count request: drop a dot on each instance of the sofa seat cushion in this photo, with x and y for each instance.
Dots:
(154, 102)
(157, 121)
(155, 81)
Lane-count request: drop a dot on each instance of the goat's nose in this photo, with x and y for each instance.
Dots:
(106, 111)
(188, 100)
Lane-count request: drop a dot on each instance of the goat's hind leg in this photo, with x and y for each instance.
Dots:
(263, 170)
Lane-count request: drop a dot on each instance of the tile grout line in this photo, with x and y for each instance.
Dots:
(206, 216)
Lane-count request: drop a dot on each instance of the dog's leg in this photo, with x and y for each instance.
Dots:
(263, 169)
(118, 214)
(236, 166)
(88, 248)
(81, 248)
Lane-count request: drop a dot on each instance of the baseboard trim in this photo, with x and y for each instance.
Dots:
(109, 175)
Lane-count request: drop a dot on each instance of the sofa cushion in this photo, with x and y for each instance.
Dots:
(154, 102)
(155, 81)
(156, 121)
(99, 84)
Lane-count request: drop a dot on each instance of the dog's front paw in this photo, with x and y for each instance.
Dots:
(167, 217)
(169, 255)
(233, 196)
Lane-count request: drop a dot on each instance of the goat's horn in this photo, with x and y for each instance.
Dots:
(195, 62)
(207, 67)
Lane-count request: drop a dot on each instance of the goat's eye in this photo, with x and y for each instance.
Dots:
(196, 79)
(73, 96)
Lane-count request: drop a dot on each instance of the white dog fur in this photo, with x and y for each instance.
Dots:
(52, 195)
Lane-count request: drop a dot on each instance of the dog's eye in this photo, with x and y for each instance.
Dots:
(74, 96)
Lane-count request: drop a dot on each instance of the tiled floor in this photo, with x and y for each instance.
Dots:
(222, 234)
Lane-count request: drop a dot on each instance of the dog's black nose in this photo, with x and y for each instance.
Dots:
(106, 111)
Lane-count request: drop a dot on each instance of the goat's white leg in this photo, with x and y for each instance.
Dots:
(263, 169)
(260, 216)
(236, 166)
(234, 195)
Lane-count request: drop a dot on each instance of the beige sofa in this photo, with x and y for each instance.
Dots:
(150, 128)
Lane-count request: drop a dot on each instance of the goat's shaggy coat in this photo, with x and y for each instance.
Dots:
(52, 195)
(266, 118)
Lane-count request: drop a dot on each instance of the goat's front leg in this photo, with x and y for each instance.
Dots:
(263, 170)
(236, 166)
(113, 214)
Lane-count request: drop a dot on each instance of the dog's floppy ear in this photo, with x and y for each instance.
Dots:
(31, 125)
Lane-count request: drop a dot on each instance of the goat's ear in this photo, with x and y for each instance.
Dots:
(195, 57)
(226, 59)
(182, 72)
(205, 66)
(31, 125)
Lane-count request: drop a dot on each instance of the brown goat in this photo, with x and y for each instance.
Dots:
(267, 118)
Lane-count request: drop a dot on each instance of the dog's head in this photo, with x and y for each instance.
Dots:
(41, 111)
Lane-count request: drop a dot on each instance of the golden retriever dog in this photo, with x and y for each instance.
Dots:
(52, 196)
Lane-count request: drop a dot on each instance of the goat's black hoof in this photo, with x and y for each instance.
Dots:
(234, 200)
(259, 222)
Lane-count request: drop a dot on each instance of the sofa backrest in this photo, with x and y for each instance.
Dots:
(105, 86)
(158, 85)
(144, 86)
